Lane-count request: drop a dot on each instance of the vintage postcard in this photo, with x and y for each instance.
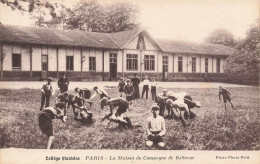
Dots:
(129, 81)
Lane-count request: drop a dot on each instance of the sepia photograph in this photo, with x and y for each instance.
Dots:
(133, 81)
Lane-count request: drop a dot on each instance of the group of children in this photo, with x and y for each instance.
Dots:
(177, 104)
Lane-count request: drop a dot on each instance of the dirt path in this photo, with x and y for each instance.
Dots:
(38, 84)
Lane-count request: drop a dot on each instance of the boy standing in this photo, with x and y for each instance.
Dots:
(226, 96)
(145, 87)
(129, 90)
(63, 83)
(121, 86)
(135, 82)
(47, 90)
(153, 88)
(45, 120)
(155, 128)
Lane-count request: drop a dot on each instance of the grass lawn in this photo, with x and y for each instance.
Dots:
(214, 128)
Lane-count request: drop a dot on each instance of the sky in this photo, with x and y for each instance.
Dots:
(187, 20)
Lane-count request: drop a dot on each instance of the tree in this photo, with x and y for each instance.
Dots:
(121, 16)
(92, 16)
(87, 16)
(221, 36)
(243, 65)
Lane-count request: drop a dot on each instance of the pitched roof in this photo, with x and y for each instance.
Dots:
(195, 48)
(33, 35)
(118, 40)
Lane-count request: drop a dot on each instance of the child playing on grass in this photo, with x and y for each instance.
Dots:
(226, 96)
(45, 120)
(117, 117)
(101, 92)
(64, 98)
(121, 87)
(129, 91)
(84, 93)
(47, 90)
(155, 128)
(80, 109)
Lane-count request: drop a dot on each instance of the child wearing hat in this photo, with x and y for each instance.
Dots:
(47, 90)
(155, 128)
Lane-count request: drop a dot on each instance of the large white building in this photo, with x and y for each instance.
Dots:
(35, 53)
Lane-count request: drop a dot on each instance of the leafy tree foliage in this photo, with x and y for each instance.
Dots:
(221, 36)
(86, 15)
(243, 65)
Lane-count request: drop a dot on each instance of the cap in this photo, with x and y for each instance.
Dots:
(95, 87)
(49, 79)
(63, 73)
(128, 80)
(165, 90)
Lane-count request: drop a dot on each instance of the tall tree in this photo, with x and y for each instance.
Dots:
(221, 36)
(121, 16)
(244, 64)
(86, 16)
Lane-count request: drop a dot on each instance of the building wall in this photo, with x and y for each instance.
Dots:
(77, 59)
(62, 59)
(25, 58)
(107, 62)
(85, 64)
(148, 44)
(52, 59)
(38, 51)
(36, 58)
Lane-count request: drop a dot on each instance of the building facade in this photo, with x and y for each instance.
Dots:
(36, 53)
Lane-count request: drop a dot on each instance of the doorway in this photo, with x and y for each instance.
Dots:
(113, 66)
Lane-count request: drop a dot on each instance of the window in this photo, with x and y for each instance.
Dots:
(131, 62)
(112, 58)
(218, 65)
(69, 63)
(149, 62)
(193, 68)
(165, 63)
(180, 64)
(92, 63)
(16, 61)
(206, 65)
(44, 62)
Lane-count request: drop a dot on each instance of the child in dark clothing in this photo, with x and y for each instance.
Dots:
(129, 90)
(45, 120)
(121, 87)
(226, 96)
